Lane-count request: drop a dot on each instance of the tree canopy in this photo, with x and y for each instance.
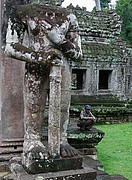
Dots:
(124, 10)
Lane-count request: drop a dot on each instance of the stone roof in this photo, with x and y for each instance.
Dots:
(100, 34)
(103, 50)
(98, 23)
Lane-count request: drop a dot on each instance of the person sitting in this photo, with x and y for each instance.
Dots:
(86, 119)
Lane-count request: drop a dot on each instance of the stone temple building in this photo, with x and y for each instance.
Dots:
(106, 64)
(104, 77)
(105, 72)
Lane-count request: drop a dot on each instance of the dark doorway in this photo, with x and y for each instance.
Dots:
(104, 79)
(78, 78)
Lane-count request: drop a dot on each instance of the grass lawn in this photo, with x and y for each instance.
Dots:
(115, 150)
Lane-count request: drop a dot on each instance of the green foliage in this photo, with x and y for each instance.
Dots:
(115, 150)
(109, 111)
(124, 10)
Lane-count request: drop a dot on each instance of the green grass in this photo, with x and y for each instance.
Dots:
(115, 150)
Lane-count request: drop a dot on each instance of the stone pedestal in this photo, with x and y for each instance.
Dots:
(86, 173)
(55, 169)
(85, 141)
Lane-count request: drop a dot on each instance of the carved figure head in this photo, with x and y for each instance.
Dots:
(51, 2)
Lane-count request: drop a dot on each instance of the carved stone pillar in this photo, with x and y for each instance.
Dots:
(54, 110)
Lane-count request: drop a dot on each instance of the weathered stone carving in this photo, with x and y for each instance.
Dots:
(44, 37)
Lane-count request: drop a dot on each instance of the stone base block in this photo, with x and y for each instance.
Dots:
(79, 174)
(88, 151)
(54, 165)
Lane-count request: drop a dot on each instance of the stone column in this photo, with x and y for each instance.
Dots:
(11, 104)
(54, 111)
(11, 98)
(11, 90)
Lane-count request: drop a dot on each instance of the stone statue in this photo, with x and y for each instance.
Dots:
(43, 35)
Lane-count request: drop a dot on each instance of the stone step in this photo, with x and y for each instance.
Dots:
(110, 177)
(79, 174)
(99, 168)
(95, 164)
